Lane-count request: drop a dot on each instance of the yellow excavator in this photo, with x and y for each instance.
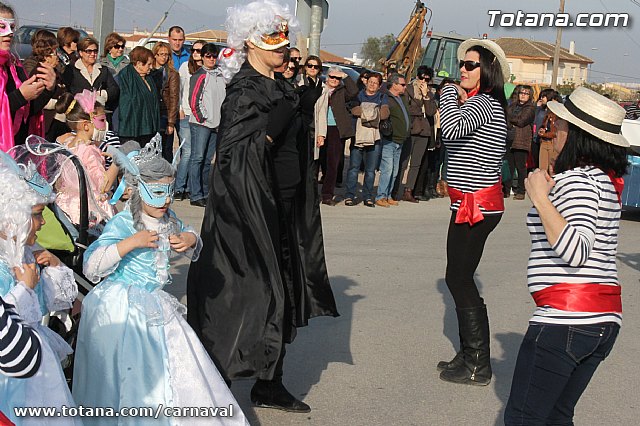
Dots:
(406, 51)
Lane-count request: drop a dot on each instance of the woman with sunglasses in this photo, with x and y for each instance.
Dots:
(113, 57)
(186, 70)
(474, 130)
(167, 81)
(261, 273)
(87, 74)
(206, 94)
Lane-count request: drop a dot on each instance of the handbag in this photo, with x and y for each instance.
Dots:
(386, 128)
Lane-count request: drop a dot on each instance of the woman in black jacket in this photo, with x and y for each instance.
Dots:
(520, 115)
(87, 73)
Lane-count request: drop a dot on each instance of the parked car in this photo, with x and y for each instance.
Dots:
(358, 68)
(355, 75)
(23, 35)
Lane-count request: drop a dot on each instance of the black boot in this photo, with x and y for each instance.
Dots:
(273, 394)
(475, 367)
(432, 181)
(457, 360)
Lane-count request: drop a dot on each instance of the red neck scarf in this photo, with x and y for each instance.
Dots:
(8, 126)
(472, 92)
(618, 184)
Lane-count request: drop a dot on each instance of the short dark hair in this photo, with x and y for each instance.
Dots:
(313, 58)
(377, 76)
(423, 69)
(394, 78)
(175, 28)
(140, 54)
(67, 35)
(546, 93)
(584, 149)
(491, 78)
(210, 48)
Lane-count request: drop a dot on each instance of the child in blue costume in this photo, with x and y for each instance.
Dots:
(134, 348)
(35, 282)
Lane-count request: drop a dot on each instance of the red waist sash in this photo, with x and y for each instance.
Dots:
(490, 198)
(580, 297)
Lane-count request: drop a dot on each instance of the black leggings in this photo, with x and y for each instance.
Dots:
(465, 245)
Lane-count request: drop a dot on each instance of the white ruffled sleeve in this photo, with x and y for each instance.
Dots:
(59, 287)
(102, 262)
(26, 303)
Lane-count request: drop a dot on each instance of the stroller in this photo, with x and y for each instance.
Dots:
(59, 235)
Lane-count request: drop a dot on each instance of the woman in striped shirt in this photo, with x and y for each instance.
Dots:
(19, 345)
(572, 272)
(475, 137)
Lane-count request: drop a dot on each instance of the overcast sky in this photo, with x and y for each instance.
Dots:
(615, 51)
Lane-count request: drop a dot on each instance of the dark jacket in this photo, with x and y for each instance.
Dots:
(422, 112)
(139, 107)
(401, 129)
(521, 118)
(340, 104)
(17, 101)
(169, 89)
(76, 82)
(236, 289)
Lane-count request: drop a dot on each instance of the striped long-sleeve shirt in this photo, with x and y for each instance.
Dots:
(586, 249)
(475, 137)
(20, 354)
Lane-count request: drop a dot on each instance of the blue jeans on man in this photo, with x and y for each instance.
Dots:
(555, 364)
(389, 165)
(185, 156)
(203, 146)
(370, 156)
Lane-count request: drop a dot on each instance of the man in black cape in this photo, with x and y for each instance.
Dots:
(262, 272)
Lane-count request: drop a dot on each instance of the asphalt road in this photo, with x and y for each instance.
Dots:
(376, 363)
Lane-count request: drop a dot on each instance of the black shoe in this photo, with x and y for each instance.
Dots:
(181, 195)
(200, 203)
(475, 365)
(330, 202)
(273, 394)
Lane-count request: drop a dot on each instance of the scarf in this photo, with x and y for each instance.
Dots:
(9, 126)
(115, 61)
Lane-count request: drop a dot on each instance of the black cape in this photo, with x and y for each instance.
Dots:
(235, 291)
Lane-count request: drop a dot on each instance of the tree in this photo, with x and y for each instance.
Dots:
(376, 48)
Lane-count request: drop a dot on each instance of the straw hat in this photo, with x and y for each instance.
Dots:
(594, 114)
(492, 47)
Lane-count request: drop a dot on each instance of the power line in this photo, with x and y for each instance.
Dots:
(625, 32)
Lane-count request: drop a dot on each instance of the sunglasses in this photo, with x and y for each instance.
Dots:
(118, 46)
(91, 51)
(424, 77)
(315, 67)
(401, 84)
(292, 68)
(296, 59)
(469, 65)
(196, 50)
(525, 93)
(334, 77)
(209, 56)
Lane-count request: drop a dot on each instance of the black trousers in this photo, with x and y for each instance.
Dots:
(465, 245)
(517, 159)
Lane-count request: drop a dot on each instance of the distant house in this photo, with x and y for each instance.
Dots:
(208, 35)
(532, 61)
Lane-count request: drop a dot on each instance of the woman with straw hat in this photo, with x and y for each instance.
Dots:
(572, 274)
(474, 134)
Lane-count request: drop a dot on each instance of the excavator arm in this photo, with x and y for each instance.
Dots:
(406, 51)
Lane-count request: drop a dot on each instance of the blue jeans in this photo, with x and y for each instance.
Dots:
(203, 146)
(185, 156)
(554, 367)
(389, 165)
(370, 156)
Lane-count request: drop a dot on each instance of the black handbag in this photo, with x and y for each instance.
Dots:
(386, 129)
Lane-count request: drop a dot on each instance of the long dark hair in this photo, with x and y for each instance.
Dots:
(583, 149)
(491, 78)
(192, 65)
